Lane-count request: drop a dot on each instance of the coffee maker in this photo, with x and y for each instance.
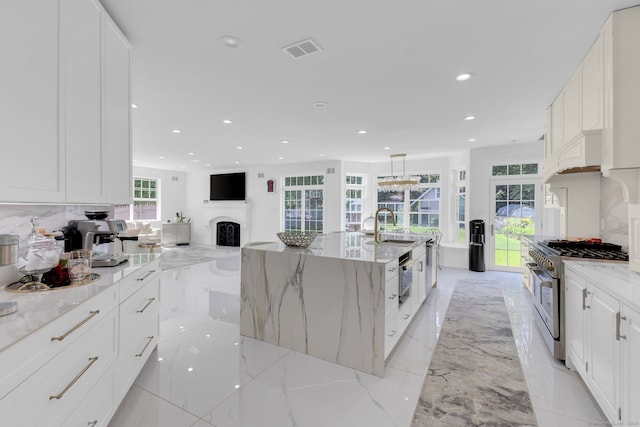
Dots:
(98, 235)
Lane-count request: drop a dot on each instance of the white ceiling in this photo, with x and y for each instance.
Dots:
(388, 67)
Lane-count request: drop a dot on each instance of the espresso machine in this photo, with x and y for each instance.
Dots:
(99, 235)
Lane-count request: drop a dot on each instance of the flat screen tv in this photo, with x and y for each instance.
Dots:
(227, 186)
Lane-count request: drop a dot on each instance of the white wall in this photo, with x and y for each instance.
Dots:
(173, 191)
(263, 208)
(479, 175)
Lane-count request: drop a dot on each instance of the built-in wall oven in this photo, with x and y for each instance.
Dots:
(405, 277)
(547, 277)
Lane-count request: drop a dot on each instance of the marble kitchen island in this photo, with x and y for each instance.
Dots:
(336, 300)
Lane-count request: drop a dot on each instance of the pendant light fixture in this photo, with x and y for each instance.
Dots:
(401, 182)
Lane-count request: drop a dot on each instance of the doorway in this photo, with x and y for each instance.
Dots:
(514, 212)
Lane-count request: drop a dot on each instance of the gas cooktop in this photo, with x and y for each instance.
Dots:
(586, 249)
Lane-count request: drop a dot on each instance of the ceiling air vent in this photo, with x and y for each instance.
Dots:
(302, 48)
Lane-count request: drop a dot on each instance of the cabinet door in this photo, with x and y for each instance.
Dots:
(593, 87)
(571, 118)
(29, 102)
(604, 366)
(420, 279)
(557, 135)
(575, 306)
(117, 115)
(630, 366)
(139, 326)
(80, 91)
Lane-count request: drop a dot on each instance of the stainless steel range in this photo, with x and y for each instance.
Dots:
(547, 274)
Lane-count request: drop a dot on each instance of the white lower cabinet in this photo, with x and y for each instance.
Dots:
(604, 368)
(76, 370)
(630, 338)
(603, 346)
(52, 393)
(575, 292)
(98, 405)
(139, 328)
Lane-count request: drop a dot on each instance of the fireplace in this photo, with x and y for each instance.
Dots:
(236, 213)
(227, 233)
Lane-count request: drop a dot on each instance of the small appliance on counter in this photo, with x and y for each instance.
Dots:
(8, 256)
(98, 235)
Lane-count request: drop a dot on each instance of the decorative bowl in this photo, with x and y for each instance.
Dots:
(297, 239)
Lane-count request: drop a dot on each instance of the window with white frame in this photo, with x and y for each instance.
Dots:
(303, 198)
(354, 202)
(146, 201)
(515, 169)
(417, 210)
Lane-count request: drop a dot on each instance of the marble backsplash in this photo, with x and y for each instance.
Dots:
(614, 215)
(14, 219)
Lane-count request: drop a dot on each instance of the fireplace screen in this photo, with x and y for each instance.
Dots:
(228, 234)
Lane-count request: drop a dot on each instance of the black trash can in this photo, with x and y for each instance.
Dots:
(476, 245)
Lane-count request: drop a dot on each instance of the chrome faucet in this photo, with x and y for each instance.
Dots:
(375, 224)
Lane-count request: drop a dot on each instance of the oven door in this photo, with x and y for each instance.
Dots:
(546, 299)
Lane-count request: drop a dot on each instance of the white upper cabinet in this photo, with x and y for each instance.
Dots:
(621, 142)
(32, 148)
(593, 87)
(66, 113)
(81, 112)
(117, 112)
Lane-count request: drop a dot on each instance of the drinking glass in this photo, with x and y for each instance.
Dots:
(79, 264)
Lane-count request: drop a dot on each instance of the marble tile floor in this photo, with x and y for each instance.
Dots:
(204, 373)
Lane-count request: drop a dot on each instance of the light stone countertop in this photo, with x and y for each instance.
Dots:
(616, 278)
(37, 309)
(353, 246)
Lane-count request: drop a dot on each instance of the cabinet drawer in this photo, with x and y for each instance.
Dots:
(29, 354)
(97, 406)
(391, 333)
(391, 294)
(50, 395)
(133, 283)
(139, 327)
(390, 270)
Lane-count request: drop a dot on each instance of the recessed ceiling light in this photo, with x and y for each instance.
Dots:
(191, 154)
(236, 162)
(208, 165)
(239, 147)
(227, 121)
(464, 76)
(161, 157)
(320, 103)
(195, 161)
(281, 158)
(134, 106)
(230, 41)
(387, 148)
(470, 118)
(472, 140)
(284, 141)
(320, 154)
(175, 130)
(362, 132)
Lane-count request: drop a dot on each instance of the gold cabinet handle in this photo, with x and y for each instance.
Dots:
(393, 332)
(82, 322)
(140, 279)
(148, 304)
(405, 317)
(59, 396)
(149, 339)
